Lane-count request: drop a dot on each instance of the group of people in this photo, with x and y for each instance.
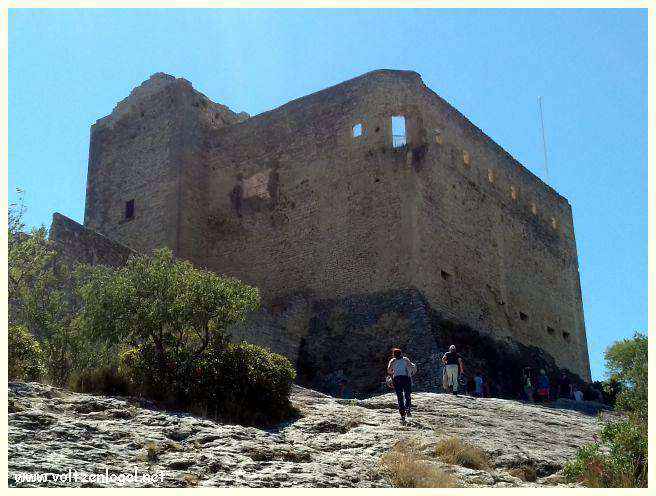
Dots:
(400, 371)
(536, 389)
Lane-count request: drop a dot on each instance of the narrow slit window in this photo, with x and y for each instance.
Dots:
(129, 209)
(398, 131)
(357, 130)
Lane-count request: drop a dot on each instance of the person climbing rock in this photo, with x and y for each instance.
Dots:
(453, 364)
(401, 369)
(527, 385)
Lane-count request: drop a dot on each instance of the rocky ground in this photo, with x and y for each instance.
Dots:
(335, 443)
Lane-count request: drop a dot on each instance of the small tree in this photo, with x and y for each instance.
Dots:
(619, 459)
(164, 313)
(36, 292)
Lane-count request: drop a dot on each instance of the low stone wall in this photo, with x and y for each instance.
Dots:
(75, 243)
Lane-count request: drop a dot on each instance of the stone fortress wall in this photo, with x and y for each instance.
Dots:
(292, 202)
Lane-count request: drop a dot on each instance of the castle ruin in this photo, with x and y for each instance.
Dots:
(375, 196)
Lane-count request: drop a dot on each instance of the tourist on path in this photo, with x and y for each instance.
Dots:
(527, 384)
(401, 369)
(453, 364)
(543, 387)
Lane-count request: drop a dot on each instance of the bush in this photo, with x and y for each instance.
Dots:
(101, 380)
(619, 457)
(25, 358)
(406, 467)
(619, 460)
(167, 322)
(238, 382)
(454, 451)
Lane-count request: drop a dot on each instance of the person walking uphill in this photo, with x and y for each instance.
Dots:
(401, 369)
(452, 363)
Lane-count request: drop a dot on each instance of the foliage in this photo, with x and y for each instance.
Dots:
(626, 362)
(25, 358)
(37, 294)
(407, 466)
(619, 458)
(162, 324)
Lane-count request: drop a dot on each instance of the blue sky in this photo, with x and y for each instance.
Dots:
(68, 68)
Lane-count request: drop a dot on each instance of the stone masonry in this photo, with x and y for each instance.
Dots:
(322, 198)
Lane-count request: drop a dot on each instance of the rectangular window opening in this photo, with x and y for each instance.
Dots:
(398, 131)
(534, 209)
(129, 209)
(523, 316)
(357, 130)
(490, 175)
(554, 223)
(566, 335)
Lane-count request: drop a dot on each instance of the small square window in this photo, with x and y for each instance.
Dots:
(523, 316)
(129, 210)
(357, 130)
(566, 336)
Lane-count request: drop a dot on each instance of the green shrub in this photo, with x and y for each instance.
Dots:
(164, 322)
(619, 457)
(619, 460)
(25, 358)
(101, 380)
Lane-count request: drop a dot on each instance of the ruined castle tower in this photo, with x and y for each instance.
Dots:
(373, 185)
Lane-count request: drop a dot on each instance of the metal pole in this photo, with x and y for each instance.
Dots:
(544, 141)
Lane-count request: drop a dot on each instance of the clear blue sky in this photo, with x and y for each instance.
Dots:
(68, 68)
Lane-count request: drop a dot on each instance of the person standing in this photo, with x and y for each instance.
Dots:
(453, 364)
(478, 384)
(543, 387)
(401, 369)
(527, 384)
(564, 386)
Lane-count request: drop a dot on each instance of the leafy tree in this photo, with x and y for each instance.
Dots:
(37, 293)
(619, 458)
(626, 362)
(165, 311)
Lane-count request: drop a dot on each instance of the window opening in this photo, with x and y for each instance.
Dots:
(398, 131)
(129, 209)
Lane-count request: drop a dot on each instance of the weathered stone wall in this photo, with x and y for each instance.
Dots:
(291, 201)
(75, 243)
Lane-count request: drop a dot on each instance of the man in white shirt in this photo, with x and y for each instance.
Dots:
(402, 369)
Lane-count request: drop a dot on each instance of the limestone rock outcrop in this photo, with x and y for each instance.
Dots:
(334, 443)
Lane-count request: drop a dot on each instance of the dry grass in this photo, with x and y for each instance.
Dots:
(454, 451)
(406, 467)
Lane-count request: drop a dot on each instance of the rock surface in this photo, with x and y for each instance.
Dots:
(335, 443)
